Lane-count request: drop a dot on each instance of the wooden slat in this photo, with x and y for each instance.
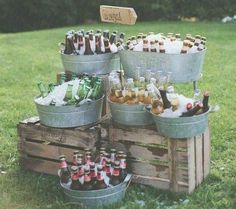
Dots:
(46, 150)
(158, 183)
(198, 159)
(191, 165)
(140, 135)
(64, 136)
(172, 145)
(39, 165)
(142, 168)
(206, 152)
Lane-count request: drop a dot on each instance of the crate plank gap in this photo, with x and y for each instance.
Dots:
(178, 165)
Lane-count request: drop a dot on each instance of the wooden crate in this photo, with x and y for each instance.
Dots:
(40, 146)
(179, 165)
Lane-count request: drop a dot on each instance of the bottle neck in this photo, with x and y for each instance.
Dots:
(63, 164)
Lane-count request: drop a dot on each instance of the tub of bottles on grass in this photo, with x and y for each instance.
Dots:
(94, 181)
(74, 103)
(93, 52)
(184, 58)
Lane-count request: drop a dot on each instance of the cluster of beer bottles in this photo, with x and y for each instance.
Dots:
(155, 91)
(92, 42)
(85, 87)
(93, 172)
(170, 43)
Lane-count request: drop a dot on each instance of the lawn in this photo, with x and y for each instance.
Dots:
(28, 57)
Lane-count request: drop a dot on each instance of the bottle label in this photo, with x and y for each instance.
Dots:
(87, 178)
(116, 172)
(93, 174)
(63, 164)
(75, 177)
(99, 177)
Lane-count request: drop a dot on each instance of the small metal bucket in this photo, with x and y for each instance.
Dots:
(91, 64)
(71, 115)
(130, 115)
(181, 127)
(184, 67)
(97, 198)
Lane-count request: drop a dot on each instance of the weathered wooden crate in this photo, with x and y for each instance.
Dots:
(179, 165)
(40, 146)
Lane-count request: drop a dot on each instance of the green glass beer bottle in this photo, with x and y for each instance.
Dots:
(42, 89)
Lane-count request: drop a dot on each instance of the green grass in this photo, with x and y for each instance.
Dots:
(28, 57)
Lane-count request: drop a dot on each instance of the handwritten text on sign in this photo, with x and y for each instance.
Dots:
(123, 15)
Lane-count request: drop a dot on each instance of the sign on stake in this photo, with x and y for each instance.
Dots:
(122, 15)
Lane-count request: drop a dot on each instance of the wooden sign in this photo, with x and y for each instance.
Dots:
(122, 15)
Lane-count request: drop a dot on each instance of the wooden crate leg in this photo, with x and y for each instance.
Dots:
(206, 152)
(172, 153)
(191, 164)
(198, 159)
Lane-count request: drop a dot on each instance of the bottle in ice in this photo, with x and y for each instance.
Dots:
(115, 178)
(193, 111)
(87, 179)
(93, 173)
(100, 183)
(88, 50)
(75, 184)
(205, 101)
(42, 89)
(64, 171)
(123, 171)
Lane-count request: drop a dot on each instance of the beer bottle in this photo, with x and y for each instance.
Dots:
(112, 38)
(42, 89)
(119, 46)
(153, 47)
(64, 170)
(98, 44)
(119, 154)
(87, 179)
(161, 47)
(133, 40)
(75, 185)
(139, 38)
(166, 102)
(201, 46)
(145, 45)
(93, 173)
(71, 42)
(62, 78)
(75, 157)
(51, 87)
(185, 47)
(108, 168)
(197, 40)
(113, 155)
(88, 157)
(68, 95)
(123, 171)
(88, 50)
(193, 111)
(205, 101)
(106, 45)
(100, 184)
(106, 34)
(121, 38)
(68, 48)
(178, 37)
(115, 178)
(80, 41)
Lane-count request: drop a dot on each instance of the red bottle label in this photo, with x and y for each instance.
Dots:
(63, 164)
(87, 178)
(116, 172)
(75, 177)
(99, 177)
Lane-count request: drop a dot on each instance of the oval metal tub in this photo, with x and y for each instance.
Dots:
(71, 115)
(97, 198)
(91, 64)
(184, 67)
(130, 115)
(181, 127)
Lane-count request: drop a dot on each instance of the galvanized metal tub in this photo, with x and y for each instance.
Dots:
(71, 115)
(181, 127)
(184, 67)
(97, 198)
(100, 64)
(130, 115)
